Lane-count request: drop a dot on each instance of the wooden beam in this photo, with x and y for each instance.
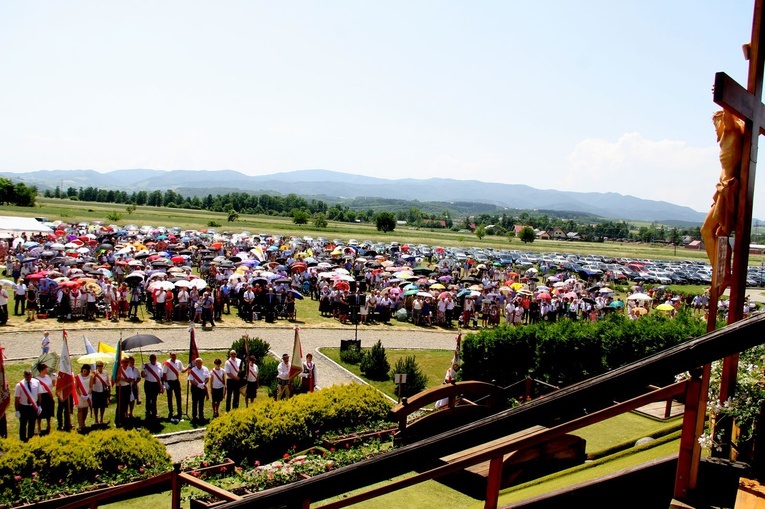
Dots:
(209, 488)
(729, 94)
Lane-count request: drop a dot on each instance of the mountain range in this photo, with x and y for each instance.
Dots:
(330, 184)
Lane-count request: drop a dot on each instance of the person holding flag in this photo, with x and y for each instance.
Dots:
(252, 381)
(66, 395)
(232, 380)
(199, 376)
(26, 402)
(287, 370)
(5, 396)
(122, 383)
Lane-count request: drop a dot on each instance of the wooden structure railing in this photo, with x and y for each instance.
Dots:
(564, 410)
(173, 481)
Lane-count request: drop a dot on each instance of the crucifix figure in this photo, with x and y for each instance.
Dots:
(740, 106)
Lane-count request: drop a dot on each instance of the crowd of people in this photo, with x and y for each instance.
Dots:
(95, 388)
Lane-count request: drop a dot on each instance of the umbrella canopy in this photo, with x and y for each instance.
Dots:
(640, 297)
(617, 304)
(665, 307)
(94, 357)
(140, 340)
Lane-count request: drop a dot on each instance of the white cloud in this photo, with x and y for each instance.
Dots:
(667, 170)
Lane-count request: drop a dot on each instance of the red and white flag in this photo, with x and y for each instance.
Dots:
(65, 381)
(193, 350)
(296, 367)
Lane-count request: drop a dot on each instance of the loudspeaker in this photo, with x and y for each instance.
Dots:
(352, 284)
(362, 286)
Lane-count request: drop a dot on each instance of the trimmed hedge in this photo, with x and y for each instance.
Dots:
(66, 463)
(566, 352)
(265, 431)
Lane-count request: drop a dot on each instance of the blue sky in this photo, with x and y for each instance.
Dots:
(581, 96)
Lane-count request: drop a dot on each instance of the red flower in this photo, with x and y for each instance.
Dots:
(286, 455)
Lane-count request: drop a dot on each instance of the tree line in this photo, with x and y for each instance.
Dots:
(19, 194)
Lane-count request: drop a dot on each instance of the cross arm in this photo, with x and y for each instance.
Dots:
(734, 97)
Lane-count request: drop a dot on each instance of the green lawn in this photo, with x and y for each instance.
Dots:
(433, 363)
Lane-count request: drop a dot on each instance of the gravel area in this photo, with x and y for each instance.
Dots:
(25, 344)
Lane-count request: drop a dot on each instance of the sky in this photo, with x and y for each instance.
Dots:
(576, 96)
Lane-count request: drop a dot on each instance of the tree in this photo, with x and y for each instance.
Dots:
(130, 208)
(233, 215)
(527, 235)
(480, 232)
(114, 216)
(374, 362)
(299, 216)
(320, 220)
(385, 221)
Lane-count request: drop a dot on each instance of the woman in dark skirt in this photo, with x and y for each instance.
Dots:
(31, 302)
(252, 381)
(325, 304)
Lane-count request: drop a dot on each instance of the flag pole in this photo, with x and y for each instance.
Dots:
(192, 347)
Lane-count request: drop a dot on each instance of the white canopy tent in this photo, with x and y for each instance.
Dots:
(22, 224)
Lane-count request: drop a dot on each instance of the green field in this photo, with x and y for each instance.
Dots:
(76, 211)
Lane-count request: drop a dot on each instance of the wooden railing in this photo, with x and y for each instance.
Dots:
(173, 481)
(566, 409)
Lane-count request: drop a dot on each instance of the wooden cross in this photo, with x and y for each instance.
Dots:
(746, 104)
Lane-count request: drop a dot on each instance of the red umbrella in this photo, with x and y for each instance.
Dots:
(178, 259)
(544, 296)
(216, 245)
(342, 285)
(36, 275)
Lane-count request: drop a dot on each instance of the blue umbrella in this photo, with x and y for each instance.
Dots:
(297, 294)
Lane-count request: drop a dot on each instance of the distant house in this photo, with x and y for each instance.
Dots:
(543, 235)
(573, 236)
(519, 227)
(557, 233)
(695, 244)
(400, 223)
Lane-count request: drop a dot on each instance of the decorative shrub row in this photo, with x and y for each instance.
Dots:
(566, 352)
(264, 431)
(65, 463)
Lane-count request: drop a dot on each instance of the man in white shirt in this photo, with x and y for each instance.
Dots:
(199, 378)
(232, 380)
(3, 306)
(171, 373)
(20, 297)
(152, 385)
(284, 387)
(27, 404)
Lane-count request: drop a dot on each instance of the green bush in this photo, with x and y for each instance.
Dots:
(374, 363)
(351, 355)
(566, 352)
(265, 431)
(255, 346)
(416, 380)
(65, 463)
(267, 370)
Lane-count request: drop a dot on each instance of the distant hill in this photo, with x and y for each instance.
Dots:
(344, 186)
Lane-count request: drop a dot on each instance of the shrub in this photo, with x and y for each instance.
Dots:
(264, 431)
(565, 352)
(351, 355)
(374, 363)
(416, 380)
(63, 463)
(255, 346)
(267, 370)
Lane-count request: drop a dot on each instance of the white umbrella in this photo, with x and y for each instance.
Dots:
(183, 284)
(162, 285)
(606, 290)
(200, 284)
(640, 296)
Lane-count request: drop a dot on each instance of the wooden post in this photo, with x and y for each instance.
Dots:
(494, 482)
(176, 487)
(694, 417)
